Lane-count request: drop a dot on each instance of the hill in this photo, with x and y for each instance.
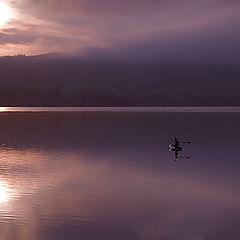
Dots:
(56, 80)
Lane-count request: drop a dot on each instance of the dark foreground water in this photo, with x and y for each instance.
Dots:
(110, 176)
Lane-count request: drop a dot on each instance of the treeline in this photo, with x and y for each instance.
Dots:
(59, 81)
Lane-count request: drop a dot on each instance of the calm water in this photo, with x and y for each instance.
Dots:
(119, 109)
(110, 176)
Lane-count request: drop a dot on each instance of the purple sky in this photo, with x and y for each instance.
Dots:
(183, 30)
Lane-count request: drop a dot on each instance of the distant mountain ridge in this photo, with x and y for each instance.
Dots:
(57, 80)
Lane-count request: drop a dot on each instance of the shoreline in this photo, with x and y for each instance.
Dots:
(122, 109)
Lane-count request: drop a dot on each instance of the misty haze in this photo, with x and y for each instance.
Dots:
(119, 120)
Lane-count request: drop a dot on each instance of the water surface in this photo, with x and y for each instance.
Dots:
(109, 175)
(119, 109)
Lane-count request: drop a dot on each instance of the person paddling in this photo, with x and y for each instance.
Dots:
(176, 141)
(176, 148)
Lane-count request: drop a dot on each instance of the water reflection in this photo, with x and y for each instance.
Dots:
(3, 109)
(94, 176)
(4, 193)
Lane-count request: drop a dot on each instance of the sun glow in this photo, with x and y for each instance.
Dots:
(4, 196)
(3, 109)
(5, 14)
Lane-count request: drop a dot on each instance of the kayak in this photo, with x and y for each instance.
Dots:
(172, 147)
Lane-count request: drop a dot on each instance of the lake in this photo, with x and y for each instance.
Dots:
(107, 174)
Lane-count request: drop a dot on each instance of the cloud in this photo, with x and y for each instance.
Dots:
(77, 26)
(16, 36)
